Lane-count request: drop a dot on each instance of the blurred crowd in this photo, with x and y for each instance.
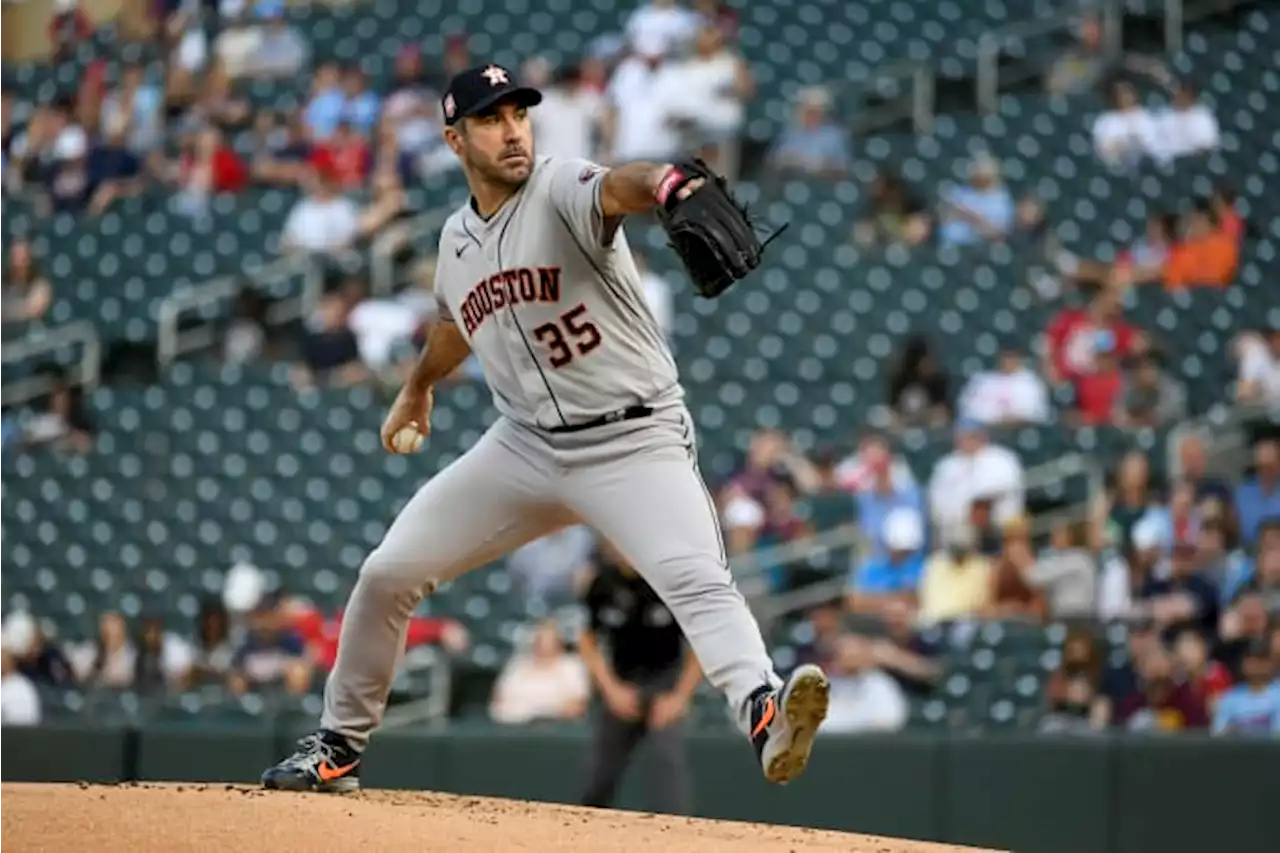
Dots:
(249, 639)
(1191, 567)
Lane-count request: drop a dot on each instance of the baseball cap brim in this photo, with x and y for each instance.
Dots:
(521, 96)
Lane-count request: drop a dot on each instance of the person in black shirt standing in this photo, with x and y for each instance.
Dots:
(646, 676)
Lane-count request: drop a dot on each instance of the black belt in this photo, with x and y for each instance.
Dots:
(630, 413)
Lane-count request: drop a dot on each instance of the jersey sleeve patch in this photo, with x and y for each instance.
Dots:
(588, 173)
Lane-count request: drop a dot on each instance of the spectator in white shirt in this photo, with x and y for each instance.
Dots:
(541, 683)
(657, 295)
(864, 698)
(191, 45)
(1258, 382)
(567, 122)
(663, 23)
(323, 221)
(281, 51)
(19, 701)
(1011, 394)
(109, 661)
(975, 470)
(382, 326)
(1187, 128)
(1126, 134)
(237, 44)
(638, 124)
(713, 86)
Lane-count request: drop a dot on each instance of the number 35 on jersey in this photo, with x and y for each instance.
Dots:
(570, 335)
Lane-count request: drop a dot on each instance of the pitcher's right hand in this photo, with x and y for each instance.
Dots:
(411, 410)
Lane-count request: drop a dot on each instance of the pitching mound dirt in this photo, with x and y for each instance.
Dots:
(219, 819)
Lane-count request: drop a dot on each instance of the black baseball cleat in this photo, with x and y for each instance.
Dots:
(785, 721)
(324, 762)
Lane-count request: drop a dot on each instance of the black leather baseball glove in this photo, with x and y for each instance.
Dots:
(710, 230)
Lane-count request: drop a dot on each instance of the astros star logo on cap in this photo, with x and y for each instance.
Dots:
(495, 75)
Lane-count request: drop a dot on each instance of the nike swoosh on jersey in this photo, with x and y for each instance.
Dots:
(458, 251)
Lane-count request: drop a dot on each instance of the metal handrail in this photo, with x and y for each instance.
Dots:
(433, 708)
(749, 569)
(382, 270)
(752, 567)
(1067, 465)
(1177, 16)
(86, 372)
(993, 43)
(922, 108)
(172, 341)
(1173, 24)
(1221, 434)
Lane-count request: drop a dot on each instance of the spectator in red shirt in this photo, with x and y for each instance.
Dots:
(1096, 393)
(344, 157)
(1078, 335)
(1161, 703)
(320, 634)
(1207, 678)
(212, 166)
(207, 166)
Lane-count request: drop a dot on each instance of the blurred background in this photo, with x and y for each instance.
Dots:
(993, 434)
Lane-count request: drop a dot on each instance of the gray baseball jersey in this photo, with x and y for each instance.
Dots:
(549, 298)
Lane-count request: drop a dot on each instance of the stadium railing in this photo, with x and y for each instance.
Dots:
(750, 570)
(382, 272)
(85, 372)
(173, 340)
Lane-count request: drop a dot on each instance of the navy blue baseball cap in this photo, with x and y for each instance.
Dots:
(478, 89)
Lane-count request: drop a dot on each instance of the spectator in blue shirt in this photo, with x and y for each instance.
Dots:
(268, 9)
(894, 575)
(324, 112)
(1253, 706)
(1242, 574)
(981, 210)
(360, 107)
(886, 494)
(813, 144)
(1258, 499)
(139, 105)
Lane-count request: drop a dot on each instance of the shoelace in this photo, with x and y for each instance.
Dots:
(308, 747)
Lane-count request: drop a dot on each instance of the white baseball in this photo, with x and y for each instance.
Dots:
(407, 440)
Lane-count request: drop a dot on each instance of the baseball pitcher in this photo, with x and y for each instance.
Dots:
(535, 277)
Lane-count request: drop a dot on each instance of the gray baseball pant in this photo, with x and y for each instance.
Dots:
(634, 482)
